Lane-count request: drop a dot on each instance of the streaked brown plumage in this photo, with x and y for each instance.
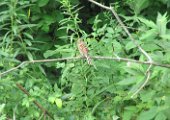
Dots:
(83, 50)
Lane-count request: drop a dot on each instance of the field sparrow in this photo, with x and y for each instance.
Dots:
(83, 50)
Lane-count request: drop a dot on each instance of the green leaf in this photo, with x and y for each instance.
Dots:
(165, 78)
(149, 35)
(25, 102)
(157, 56)
(147, 95)
(3, 117)
(42, 3)
(45, 28)
(129, 112)
(117, 46)
(150, 46)
(161, 23)
(131, 45)
(59, 16)
(29, 55)
(51, 99)
(2, 106)
(49, 53)
(148, 23)
(164, 44)
(148, 115)
(28, 42)
(115, 117)
(127, 81)
(110, 30)
(60, 65)
(28, 35)
(160, 116)
(4, 54)
(138, 6)
(166, 36)
(58, 102)
(41, 69)
(48, 19)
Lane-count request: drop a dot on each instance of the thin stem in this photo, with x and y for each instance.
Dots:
(143, 85)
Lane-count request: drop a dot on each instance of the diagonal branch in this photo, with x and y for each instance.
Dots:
(132, 39)
(35, 102)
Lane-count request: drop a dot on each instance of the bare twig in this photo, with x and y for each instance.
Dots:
(143, 85)
(37, 61)
(100, 5)
(12, 69)
(132, 39)
(130, 60)
(35, 102)
(119, 59)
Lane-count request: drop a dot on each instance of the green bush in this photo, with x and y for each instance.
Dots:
(72, 89)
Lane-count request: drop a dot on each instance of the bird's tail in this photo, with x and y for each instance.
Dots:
(88, 60)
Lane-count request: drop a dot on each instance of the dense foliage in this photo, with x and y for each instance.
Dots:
(71, 89)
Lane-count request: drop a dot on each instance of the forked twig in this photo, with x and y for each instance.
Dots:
(132, 39)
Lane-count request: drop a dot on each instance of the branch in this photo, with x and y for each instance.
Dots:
(119, 59)
(111, 9)
(100, 5)
(143, 85)
(37, 61)
(35, 102)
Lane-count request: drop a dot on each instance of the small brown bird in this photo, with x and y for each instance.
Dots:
(83, 50)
